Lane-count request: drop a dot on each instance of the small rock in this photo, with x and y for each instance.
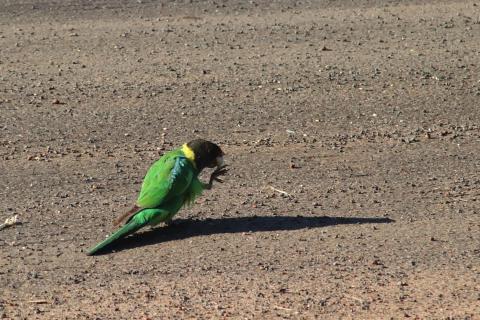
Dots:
(377, 262)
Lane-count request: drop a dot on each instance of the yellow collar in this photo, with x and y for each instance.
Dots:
(189, 154)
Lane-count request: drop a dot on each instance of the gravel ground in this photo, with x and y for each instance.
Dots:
(351, 127)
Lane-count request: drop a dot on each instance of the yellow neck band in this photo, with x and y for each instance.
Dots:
(189, 154)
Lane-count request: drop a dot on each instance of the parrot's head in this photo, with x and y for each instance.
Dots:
(206, 154)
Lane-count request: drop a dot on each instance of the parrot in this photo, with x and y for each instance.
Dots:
(170, 183)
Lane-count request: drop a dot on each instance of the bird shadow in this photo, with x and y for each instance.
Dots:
(187, 228)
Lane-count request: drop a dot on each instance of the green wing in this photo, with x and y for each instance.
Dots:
(167, 178)
(195, 190)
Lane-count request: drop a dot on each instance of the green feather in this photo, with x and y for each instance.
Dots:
(124, 231)
(142, 218)
(166, 179)
(170, 183)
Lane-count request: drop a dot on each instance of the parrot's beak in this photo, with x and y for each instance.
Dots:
(219, 161)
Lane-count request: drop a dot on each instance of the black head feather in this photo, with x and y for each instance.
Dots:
(206, 153)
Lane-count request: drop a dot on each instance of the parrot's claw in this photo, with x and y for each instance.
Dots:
(219, 172)
(214, 176)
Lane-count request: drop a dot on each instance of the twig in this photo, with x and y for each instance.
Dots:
(354, 298)
(39, 301)
(282, 308)
(10, 222)
(280, 191)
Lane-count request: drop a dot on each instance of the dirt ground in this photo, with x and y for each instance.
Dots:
(352, 129)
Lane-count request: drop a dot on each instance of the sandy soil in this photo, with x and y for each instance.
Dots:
(365, 113)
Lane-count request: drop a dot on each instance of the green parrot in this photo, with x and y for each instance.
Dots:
(171, 182)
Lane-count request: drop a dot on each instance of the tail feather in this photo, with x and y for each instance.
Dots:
(126, 216)
(124, 231)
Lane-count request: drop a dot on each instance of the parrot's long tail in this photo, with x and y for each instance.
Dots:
(129, 228)
(127, 215)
